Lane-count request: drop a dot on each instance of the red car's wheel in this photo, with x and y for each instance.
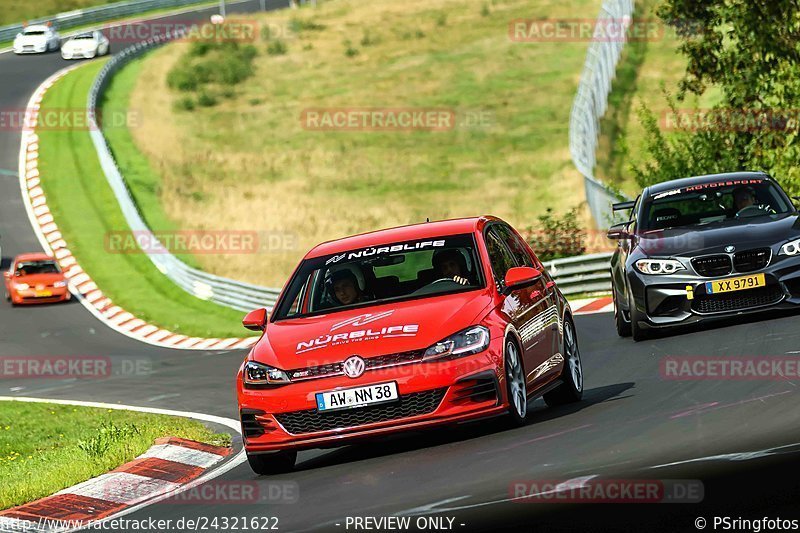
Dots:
(272, 463)
(571, 390)
(515, 384)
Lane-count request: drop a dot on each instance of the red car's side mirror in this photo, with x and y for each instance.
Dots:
(520, 277)
(256, 320)
(7, 274)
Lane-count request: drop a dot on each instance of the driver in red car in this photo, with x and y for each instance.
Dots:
(343, 286)
(450, 263)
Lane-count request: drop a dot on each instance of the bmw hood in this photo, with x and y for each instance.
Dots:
(764, 231)
(368, 331)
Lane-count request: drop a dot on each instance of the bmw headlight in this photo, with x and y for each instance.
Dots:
(22, 286)
(470, 341)
(261, 374)
(791, 248)
(659, 267)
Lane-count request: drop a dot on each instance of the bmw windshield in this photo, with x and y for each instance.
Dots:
(715, 202)
(386, 273)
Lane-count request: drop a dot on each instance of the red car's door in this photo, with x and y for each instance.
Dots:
(528, 309)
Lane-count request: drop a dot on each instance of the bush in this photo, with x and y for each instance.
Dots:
(349, 51)
(556, 237)
(206, 99)
(441, 20)
(184, 103)
(300, 25)
(368, 39)
(211, 62)
(277, 48)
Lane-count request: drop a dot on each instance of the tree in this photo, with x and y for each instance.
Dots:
(750, 50)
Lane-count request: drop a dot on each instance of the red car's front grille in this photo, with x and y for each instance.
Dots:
(312, 421)
(334, 369)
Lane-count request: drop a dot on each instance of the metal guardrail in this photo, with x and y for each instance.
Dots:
(228, 292)
(582, 274)
(590, 105)
(93, 15)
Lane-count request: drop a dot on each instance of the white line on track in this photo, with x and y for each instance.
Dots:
(229, 465)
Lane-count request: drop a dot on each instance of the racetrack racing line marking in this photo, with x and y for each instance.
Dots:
(171, 466)
(81, 285)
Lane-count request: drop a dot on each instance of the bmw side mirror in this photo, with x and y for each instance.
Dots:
(618, 231)
(256, 320)
(521, 277)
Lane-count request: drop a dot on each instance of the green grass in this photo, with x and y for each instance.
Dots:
(45, 448)
(85, 209)
(141, 177)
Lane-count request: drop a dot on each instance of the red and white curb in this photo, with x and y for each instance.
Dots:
(80, 283)
(170, 467)
(164, 468)
(589, 306)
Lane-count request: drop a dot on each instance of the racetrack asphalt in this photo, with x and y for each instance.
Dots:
(632, 423)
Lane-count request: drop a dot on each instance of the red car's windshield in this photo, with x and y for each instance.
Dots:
(383, 273)
(28, 268)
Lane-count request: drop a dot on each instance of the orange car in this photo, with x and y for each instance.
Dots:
(35, 278)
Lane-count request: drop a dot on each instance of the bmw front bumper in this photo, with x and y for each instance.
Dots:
(664, 301)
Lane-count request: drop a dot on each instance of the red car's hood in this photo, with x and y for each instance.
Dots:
(39, 279)
(368, 331)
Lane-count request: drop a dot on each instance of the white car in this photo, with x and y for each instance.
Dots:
(90, 44)
(36, 39)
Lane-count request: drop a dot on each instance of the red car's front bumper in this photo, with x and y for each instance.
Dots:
(431, 394)
(31, 296)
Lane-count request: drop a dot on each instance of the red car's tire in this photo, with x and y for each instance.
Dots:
(516, 388)
(571, 388)
(272, 463)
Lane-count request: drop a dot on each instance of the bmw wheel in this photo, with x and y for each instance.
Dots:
(571, 389)
(515, 384)
(272, 463)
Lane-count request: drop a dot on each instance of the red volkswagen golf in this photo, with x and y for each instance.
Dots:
(402, 329)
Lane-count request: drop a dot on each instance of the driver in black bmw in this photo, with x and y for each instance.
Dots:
(704, 247)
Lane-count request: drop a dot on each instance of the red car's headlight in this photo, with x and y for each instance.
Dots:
(472, 340)
(260, 374)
